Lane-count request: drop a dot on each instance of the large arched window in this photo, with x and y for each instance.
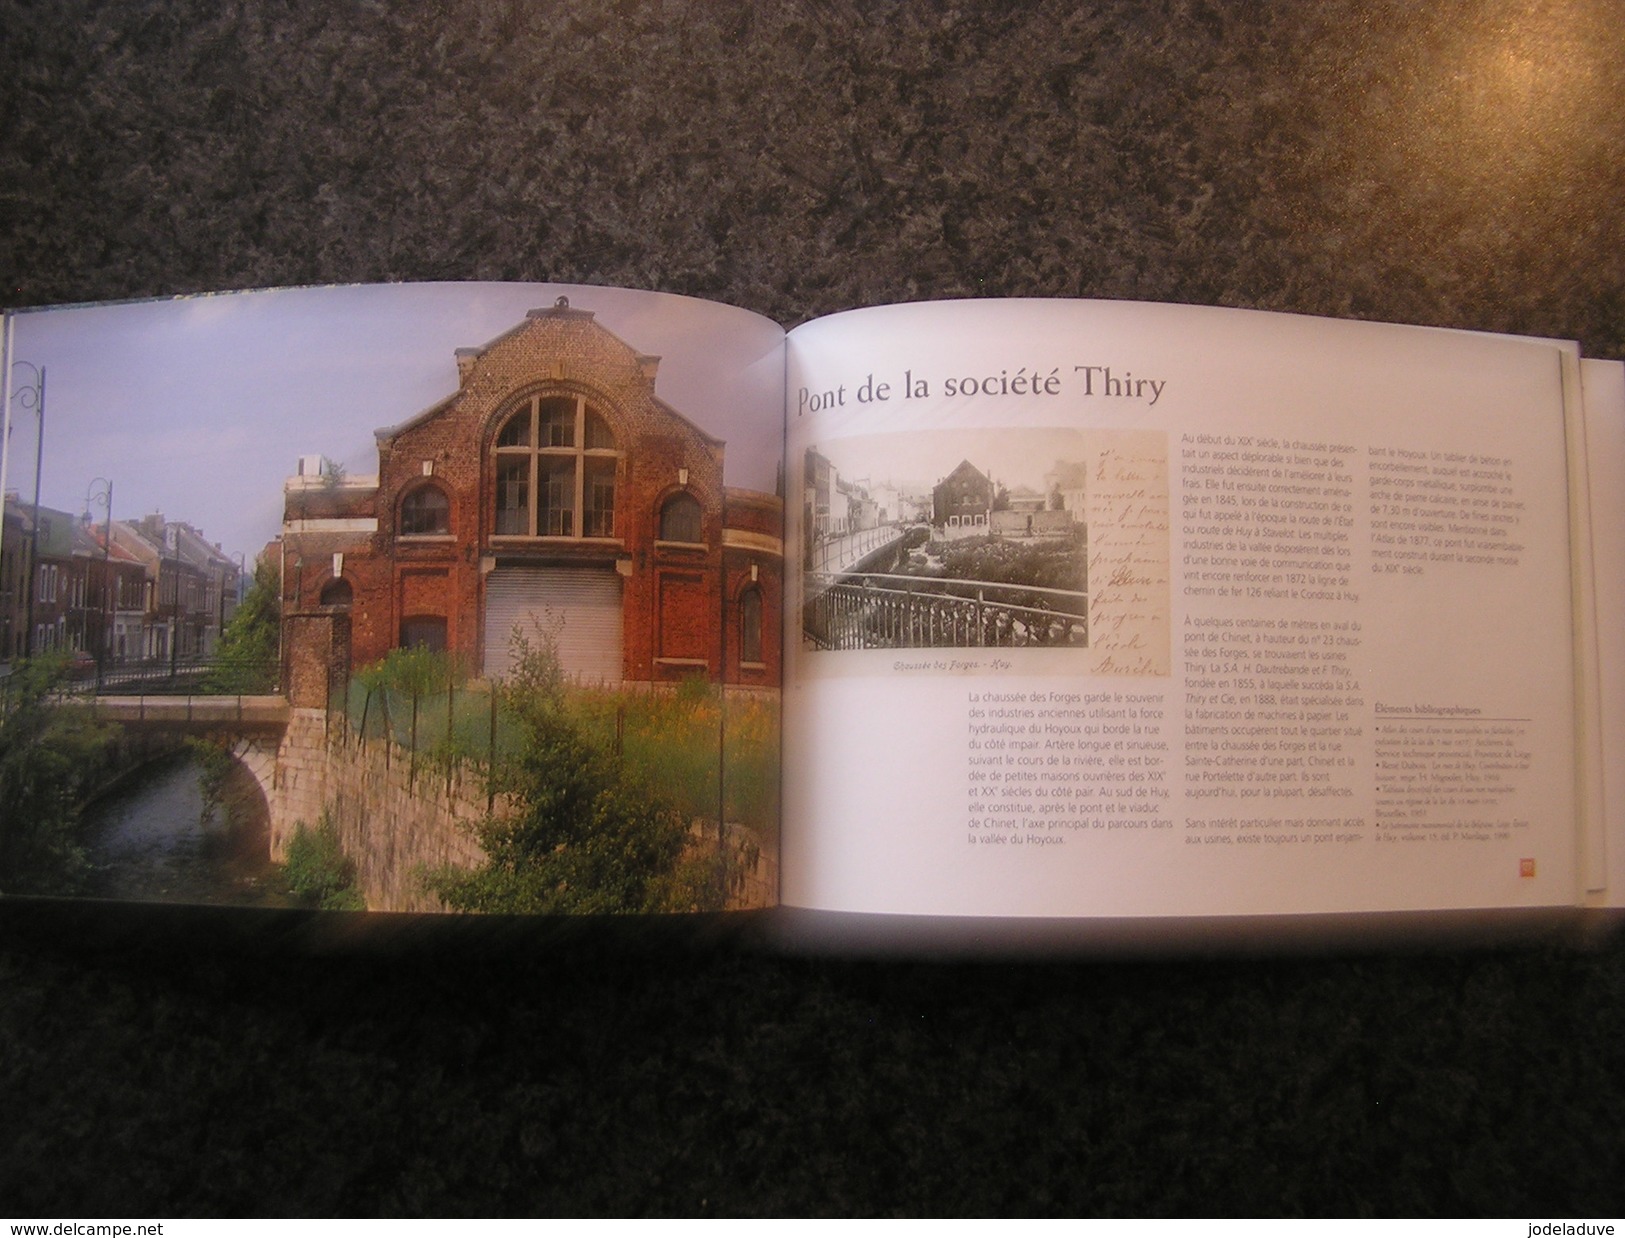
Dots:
(426, 512)
(555, 470)
(680, 519)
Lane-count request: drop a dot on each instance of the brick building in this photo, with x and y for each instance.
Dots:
(50, 580)
(115, 619)
(15, 523)
(963, 498)
(553, 492)
(160, 592)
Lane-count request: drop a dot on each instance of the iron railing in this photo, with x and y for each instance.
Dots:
(201, 676)
(834, 554)
(880, 611)
(211, 676)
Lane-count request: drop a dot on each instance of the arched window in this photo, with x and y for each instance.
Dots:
(750, 625)
(425, 512)
(555, 470)
(680, 519)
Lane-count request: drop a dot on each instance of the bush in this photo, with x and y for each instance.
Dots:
(405, 695)
(1055, 564)
(412, 672)
(318, 871)
(51, 753)
(586, 837)
(669, 740)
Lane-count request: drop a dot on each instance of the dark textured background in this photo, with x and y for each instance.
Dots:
(1457, 163)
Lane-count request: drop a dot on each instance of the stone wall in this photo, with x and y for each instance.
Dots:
(396, 821)
(315, 656)
(1032, 524)
(752, 869)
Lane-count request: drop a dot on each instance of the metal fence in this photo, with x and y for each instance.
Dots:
(880, 611)
(81, 677)
(435, 732)
(200, 676)
(706, 758)
(835, 553)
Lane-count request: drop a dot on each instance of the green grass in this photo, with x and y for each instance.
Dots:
(677, 741)
(666, 740)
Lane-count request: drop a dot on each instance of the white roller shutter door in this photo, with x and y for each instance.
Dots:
(579, 606)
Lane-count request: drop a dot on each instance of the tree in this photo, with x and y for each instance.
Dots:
(585, 838)
(246, 661)
(50, 754)
(411, 672)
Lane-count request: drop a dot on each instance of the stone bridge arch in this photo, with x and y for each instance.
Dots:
(251, 728)
(258, 755)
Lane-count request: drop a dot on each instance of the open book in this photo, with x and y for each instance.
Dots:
(980, 618)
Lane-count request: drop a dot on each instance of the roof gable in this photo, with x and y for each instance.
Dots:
(965, 471)
(558, 343)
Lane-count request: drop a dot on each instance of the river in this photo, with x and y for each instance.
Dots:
(149, 840)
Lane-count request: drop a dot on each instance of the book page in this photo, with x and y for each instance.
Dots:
(1604, 384)
(1118, 610)
(410, 598)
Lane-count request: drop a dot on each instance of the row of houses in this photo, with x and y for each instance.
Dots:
(967, 498)
(835, 505)
(123, 592)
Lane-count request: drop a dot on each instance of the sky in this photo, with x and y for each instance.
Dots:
(1012, 457)
(199, 407)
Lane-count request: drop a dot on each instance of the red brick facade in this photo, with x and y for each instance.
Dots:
(542, 483)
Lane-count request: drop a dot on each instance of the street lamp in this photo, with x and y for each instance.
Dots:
(29, 396)
(101, 490)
